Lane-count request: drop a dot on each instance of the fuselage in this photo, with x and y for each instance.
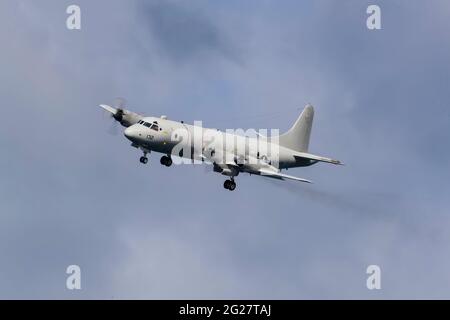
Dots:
(197, 143)
(230, 152)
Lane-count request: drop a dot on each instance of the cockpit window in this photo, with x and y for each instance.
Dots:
(153, 126)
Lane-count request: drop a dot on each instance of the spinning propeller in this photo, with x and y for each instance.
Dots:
(121, 115)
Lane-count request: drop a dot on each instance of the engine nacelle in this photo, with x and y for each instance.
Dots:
(226, 170)
(127, 118)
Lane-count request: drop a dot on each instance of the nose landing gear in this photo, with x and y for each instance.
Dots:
(144, 158)
(229, 184)
(166, 161)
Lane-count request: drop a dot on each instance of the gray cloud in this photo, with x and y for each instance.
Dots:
(184, 31)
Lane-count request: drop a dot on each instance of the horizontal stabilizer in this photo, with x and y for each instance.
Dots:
(304, 155)
(280, 176)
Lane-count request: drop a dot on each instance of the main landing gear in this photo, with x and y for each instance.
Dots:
(229, 184)
(166, 161)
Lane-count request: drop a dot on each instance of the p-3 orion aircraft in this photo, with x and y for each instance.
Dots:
(229, 153)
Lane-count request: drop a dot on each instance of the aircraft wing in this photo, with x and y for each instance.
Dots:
(124, 116)
(219, 158)
(280, 176)
(310, 156)
(108, 108)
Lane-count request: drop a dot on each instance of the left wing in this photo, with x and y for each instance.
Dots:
(265, 171)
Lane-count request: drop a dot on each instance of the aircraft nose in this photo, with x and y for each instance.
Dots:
(130, 133)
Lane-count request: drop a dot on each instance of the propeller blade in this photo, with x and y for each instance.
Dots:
(120, 103)
(117, 112)
(113, 129)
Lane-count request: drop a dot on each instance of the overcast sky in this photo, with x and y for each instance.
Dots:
(73, 193)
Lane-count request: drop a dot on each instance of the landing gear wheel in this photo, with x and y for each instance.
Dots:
(143, 159)
(166, 161)
(229, 184)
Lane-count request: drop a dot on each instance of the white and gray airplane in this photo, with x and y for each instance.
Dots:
(229, 153)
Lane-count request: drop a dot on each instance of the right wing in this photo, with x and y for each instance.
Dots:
(108, 108)
(124, 116)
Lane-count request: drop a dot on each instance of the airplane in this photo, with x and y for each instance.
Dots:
(229, 153)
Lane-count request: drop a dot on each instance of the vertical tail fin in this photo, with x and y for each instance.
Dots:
(297, 138)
